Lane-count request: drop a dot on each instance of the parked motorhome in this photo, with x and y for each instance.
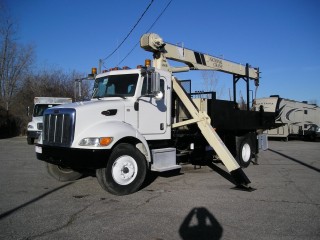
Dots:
(293, 118)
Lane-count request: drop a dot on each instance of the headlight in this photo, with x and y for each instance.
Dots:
(30, 127)
(96, 142)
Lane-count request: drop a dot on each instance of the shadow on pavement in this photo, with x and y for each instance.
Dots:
(200, 224)
(7, 213)
(295, 160)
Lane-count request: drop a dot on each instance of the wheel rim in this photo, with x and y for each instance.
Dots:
(246, 152)
(124, 170)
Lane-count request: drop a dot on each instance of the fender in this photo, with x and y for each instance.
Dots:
(115, 129)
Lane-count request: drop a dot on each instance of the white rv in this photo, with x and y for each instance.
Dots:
(293, 118)
(40, 104)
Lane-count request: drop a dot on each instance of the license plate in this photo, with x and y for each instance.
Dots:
(38, 149)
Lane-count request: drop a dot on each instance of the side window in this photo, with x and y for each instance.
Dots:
(146, 86)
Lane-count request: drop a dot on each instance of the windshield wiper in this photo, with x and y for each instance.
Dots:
(94, 93)
(116, 95)
(97, 97)
(113, 95)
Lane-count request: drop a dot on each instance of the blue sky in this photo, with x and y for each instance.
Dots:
(281, 37)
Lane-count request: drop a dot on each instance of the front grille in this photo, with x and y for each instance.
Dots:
(58, 126)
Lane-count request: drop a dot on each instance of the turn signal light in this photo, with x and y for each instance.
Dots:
(105, 141)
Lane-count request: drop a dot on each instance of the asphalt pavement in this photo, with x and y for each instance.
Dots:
(199, 203)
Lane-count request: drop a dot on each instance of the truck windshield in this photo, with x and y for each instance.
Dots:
(39, 109)
(115, 86)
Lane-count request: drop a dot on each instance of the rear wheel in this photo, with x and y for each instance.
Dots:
(63, 174)
(244, 151)
(125, 171)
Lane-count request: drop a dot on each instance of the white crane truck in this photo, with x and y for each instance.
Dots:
(40, 104)
(142, 120)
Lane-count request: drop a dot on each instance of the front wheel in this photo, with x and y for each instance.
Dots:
(125, 171)
(63, 174)
(30, 140)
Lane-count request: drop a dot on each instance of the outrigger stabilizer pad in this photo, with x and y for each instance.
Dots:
(241, 180)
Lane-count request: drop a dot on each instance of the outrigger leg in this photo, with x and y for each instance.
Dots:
(204, 124)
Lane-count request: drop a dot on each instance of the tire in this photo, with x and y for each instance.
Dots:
(244, 152)
(63, 174)
(30, 141)
(313, 137)
(125, 171)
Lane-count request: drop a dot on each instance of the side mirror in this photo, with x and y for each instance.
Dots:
(155, 82)
(155, 86)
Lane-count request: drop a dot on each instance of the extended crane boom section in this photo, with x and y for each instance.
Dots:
(194, 60)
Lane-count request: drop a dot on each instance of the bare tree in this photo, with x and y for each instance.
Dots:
(44, 83)
(50, 83)
(242, 103)
(210, 82)
(15, 61)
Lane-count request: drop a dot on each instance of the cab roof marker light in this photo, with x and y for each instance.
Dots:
(147, 63)
(115, 68)
(93, 72)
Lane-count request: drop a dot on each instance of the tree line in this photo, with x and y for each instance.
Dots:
(21, 81)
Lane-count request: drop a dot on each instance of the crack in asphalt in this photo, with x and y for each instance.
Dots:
(282, 201)
(289, 181)
(72, 218)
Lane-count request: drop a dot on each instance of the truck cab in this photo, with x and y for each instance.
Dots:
(128, 116)
(135, 95)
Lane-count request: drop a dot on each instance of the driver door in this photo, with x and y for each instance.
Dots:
(152, 116)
